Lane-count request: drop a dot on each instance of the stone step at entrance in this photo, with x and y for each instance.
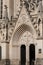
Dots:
(4, 62)
(1, 63)
(39, 61)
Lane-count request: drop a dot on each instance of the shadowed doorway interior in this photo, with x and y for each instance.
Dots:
(32, 54)
(23, 55)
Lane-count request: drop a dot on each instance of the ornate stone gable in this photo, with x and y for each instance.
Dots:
(23, 23)
(27, 13)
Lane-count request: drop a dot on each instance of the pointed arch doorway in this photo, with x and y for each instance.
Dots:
(23, 55)
(32, 54)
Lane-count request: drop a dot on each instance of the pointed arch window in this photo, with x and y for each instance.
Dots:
(1, 7)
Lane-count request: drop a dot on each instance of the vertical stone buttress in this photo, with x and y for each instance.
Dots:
(6, 2)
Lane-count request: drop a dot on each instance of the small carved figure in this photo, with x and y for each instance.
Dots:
(39, 23)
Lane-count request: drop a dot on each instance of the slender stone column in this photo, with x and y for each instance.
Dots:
(27, 54)
(7, 50)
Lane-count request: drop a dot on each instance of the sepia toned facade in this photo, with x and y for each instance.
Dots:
(21, 32)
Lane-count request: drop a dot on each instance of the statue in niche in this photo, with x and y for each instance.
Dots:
(38, 32)
(39, 25)
(39, 21)
(39, 51)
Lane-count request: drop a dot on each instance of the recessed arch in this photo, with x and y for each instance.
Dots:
(20, 30)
